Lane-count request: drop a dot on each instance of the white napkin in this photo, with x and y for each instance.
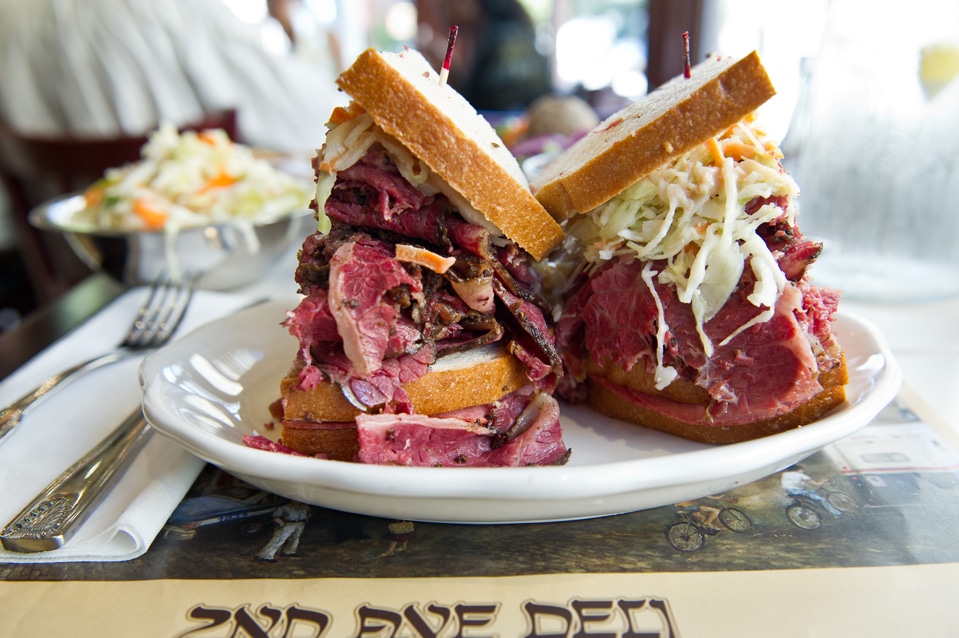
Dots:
(57, 432)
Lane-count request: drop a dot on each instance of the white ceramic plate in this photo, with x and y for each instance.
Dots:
(213, 386)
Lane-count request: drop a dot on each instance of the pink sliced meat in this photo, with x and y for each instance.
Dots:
(391, 320)
(260, 442)
(766, 370)
(454, 441)
(311, 322)
(361, 275)
(393, 193)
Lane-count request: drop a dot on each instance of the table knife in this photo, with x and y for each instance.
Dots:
(53, 517)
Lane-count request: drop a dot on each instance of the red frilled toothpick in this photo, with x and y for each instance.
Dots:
(687, 67)
(445, 71)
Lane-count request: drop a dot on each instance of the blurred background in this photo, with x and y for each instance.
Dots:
(106, 67)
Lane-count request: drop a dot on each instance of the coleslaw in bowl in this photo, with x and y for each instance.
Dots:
(195, 202)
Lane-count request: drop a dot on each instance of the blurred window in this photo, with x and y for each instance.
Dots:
(601, 44)
(616, 48)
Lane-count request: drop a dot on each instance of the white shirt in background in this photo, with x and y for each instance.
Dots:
(102, 67)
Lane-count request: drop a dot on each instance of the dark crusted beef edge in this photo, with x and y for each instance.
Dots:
(372, 203)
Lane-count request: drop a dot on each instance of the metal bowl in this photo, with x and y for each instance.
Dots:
(222, 256)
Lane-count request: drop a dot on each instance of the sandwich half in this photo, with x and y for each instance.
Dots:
(686, 303)
(423, 334)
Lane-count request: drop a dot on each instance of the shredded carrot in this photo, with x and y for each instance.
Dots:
(514, 133)
(773, 150)
(342, 114)
(715, 150)
(153, 218)
(208, 137)
(423, 257)
(93, 196)
(327, 167)
(738, 150)
(222, 180)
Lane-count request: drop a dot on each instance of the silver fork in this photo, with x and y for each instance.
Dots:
(155, 322)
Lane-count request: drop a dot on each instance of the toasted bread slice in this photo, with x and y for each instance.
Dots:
(320, 420)
(335, 441)
(403, 94)
(606, 401)
(648, 133)
(639, 379)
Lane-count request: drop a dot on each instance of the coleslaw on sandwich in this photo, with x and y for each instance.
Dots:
(694, 212)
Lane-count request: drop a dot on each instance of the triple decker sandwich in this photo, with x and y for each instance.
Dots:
(423, 334)
(687, 304)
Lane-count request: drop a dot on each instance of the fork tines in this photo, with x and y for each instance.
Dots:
(160, 315)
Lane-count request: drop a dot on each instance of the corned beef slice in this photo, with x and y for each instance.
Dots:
(260, 442)
(367, 326)
(464, 438)
(312, 322)
(818, 307)
(393, 319)
(373, 194)
(361, 275)
(607, 311)
(376, 172)
(533, 343)
(384, 387)
(793, 251)
(766, 370)
(400, 207)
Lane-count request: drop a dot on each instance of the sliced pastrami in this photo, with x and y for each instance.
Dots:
(764, 370)
(392, 319)
(532, 343)
(362, 273)
(463, 440)
(312, 322)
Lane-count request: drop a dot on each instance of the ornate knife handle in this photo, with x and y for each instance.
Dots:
(61, 508)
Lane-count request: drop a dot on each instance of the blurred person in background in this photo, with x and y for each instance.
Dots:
(105, 67)
(306, 36)
(496, 65)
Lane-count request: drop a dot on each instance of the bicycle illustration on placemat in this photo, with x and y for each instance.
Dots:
(705, 517)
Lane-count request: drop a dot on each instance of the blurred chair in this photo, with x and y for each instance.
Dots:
(34, 169)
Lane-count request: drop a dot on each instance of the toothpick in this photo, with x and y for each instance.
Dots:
(445, 72)
(687, 67)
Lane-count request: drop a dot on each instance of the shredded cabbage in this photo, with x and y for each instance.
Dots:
(691, 215)
(349, 140)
